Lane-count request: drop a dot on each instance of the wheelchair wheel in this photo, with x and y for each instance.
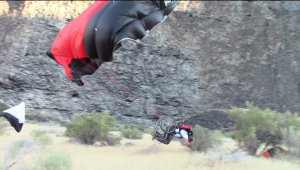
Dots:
(157, 127)
(165, 125)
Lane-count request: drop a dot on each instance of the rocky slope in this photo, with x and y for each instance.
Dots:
(206, 55)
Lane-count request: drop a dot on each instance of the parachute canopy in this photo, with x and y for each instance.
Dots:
(15, 116)
(91, 38)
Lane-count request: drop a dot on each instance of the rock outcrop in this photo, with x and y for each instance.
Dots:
(206, 55)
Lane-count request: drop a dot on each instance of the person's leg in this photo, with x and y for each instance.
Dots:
(167, 140)
(156, 135)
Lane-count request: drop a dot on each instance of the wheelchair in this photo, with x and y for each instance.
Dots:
(166, 126)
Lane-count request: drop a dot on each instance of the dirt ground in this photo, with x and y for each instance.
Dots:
(136, 154)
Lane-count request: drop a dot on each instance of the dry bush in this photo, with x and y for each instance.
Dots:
(3, 121)
(3, 125)
(16, 151)
(291, 139)
(3, 107)
(89, 128)
(131, 132)
(204, 139)
(150, 130)
(217, 157)
(41, 137)
(256, 127)
(53, 161)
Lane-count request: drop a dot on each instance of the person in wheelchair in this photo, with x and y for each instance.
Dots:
(184, 132)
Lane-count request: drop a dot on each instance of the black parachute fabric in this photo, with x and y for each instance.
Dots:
(122, 20)
(15, 116)
(93, 36)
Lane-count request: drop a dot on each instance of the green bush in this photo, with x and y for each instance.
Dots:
(41, 137)
(149, 130)
(204, 139)
(90, 128)
(18, 147)
(3, 107)
(131, 132)
(3, 121)
(16, 151)
(53, 161)
(3, 125)
(256, 127)
(291, 139)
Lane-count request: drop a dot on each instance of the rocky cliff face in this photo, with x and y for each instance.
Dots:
(206, 55)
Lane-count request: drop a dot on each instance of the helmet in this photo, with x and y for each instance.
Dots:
(185, 127)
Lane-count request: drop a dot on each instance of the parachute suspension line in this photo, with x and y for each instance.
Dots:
(118, 70)
(151, 111)
(101, 91)
(134, 85)
(95, 70)
(124, 89)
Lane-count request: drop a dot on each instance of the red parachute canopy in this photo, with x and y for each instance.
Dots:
(91, 38)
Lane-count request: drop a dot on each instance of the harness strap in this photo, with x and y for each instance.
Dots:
(189, 133)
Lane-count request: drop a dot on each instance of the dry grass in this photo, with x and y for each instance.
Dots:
(48, 9)
(67, 9)
(142, 154)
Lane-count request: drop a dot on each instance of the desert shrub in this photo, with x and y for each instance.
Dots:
(131, 132)
(149, 130)
(89, 128)
(18, 147)
(3, 107)
(3, 121)
(53, 161)
(204, 139)
(3, 125)
(291, 139)
(41, 137)
(110, 140)
(256, 127)
(16, 151)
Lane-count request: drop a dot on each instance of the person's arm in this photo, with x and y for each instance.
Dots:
(187, 142)
(185, 137)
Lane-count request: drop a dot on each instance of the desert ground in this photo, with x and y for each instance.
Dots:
(135, 154)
